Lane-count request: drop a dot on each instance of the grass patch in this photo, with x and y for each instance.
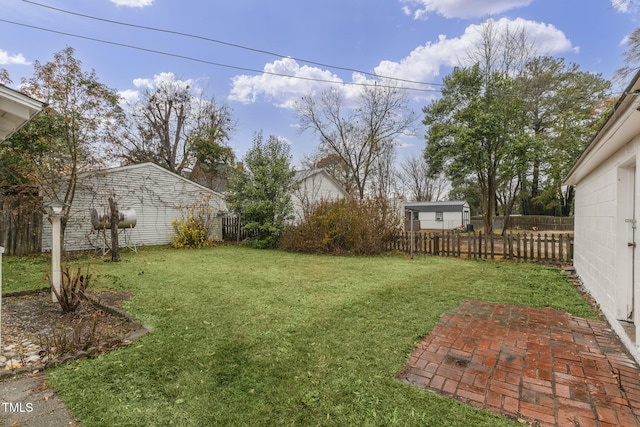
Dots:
(250, 337)
(25, 273)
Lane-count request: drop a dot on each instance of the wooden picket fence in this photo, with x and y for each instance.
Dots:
(232, 229)
(21, 226)
(534, 247)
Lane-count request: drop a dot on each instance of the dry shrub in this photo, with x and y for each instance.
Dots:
(344, 227)
(72, 289)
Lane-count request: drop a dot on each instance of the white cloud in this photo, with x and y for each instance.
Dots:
(131, 96)
(423, 64)
(420, 9)
(6, 59)
(623, 6)
(283, 91)
(132, 3)
(165, 78)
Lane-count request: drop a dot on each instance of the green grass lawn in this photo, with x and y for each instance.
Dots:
(250, 337)
(24, 273)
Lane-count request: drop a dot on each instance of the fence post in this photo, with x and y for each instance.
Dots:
(447, 240)
(505, 244)
(570, 249)
(546, 247)
(492, 240)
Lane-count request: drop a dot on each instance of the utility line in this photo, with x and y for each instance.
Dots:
(204, 61)
(239, 46)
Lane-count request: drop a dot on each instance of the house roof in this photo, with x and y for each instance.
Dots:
(304, 174)
(158, 169)
(16, 109)
(620, 127)
(447, 206)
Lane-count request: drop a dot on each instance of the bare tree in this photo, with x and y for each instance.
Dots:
(358, 136)
(415, 175)
(4, 77)
(174, 125)
(631, 57)
(501, 48)
(384, 180)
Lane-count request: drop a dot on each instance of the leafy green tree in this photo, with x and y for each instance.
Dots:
(65, 138)
(261, 192)
(466, 191)
(562, 106)
(214, 159)
(475, 131)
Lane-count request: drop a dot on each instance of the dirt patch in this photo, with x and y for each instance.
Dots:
(35, 331)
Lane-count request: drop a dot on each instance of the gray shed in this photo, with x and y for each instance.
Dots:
(437, 215)
(156, 195)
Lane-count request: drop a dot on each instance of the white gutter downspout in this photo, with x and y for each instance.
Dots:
(1, 252)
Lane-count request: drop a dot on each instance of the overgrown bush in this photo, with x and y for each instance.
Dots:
(196, 227)
(261, 191)
(350, 227)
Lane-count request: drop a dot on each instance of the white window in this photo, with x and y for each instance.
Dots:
(438, 215)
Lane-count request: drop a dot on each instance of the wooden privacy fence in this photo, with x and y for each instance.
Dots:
(232, 229)
(21, 226)
(536, 247)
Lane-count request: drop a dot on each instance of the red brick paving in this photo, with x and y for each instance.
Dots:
(541, 366)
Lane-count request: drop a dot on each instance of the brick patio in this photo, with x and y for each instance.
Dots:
(540, 366)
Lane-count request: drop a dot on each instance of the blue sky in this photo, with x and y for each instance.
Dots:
(418, 40)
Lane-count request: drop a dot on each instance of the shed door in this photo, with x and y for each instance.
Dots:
(626, 242)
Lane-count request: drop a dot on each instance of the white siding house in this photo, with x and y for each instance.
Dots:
(157, 196)
(313, 186)
(607, 202)
(16, 109)
(437, 215)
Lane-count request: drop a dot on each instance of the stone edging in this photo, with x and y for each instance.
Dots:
(91, 351)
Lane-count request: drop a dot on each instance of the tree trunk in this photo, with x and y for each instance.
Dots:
(115, 218)
(535, 188)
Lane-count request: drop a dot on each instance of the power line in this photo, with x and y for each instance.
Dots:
(235, 45)
(204, 61)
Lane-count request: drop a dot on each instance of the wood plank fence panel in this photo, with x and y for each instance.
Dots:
(21, 226)
(232, 230)
(547, 248)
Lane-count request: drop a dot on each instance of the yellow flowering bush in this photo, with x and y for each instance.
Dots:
(194, 230)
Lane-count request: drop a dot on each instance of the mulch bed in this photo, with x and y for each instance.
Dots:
(36, 333)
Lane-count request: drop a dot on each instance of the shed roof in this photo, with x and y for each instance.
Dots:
(157, 169)
(16, 109)
(446, 206)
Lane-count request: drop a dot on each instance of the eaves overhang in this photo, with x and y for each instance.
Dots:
(16, 109)
(620, 128)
